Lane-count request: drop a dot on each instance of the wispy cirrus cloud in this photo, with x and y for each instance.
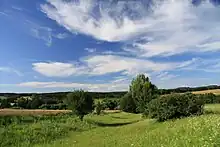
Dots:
(168, 27)
(71, 85)
(44, 33)
(10, 70)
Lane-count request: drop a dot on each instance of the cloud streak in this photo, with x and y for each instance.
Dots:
(165, 28)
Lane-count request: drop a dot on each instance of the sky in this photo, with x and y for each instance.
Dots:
(100, 45)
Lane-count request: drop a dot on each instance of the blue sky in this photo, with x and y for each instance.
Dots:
(56, 45)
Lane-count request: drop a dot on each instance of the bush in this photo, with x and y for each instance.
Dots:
(59, 106)
(127, 103)
(174, 106)
(210, 98)
(5, 103)
(110, 104)
(80, 102)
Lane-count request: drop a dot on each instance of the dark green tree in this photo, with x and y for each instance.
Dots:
(142, 91)
(80, 102)
(22, 102)
(127, 103)
(36, 102)
(5, 103)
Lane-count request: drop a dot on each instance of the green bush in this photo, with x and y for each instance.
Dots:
(98, 108)
(59, 106)
(210, 98)
(110, 104)
(127, 103)
(174, 106)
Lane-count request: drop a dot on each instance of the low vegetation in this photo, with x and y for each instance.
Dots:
(175, 106)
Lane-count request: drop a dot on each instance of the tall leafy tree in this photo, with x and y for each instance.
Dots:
(80, 102)
(142, 91)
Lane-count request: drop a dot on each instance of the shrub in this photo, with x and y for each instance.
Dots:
(5, 103)
(110, 104)
(98, 108)
(210, 98)
(80, 102)
(127, 103)
(174, 106)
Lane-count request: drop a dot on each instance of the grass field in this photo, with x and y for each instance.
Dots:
(118, 129)
(214, 91)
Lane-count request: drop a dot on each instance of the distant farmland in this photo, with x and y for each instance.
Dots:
(214, 91)
(4, 112)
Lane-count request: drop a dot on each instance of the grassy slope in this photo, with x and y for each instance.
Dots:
(195, 131)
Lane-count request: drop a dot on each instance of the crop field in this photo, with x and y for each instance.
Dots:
(214, 91)
(115, 128)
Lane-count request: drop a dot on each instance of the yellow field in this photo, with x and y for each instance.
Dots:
(214, 91)
(4, 112)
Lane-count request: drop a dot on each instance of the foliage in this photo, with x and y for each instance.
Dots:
(210, 98)
(22, 102)
(98, 108)
(127, 103)
(174, 106)
(28, 131)
(59, 106)
(5, 103)
(80, 102)
(142, 91)
(36, 102)
(110, 104)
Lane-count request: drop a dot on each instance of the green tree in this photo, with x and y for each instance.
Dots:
(22, 102)
(80, 102)
(36, 102)
(142, 91)
(5, 103)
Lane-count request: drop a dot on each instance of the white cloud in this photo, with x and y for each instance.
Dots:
(57, 69)
(90, 50)
(86, 86)
(105, 64)
(80, 17)
(173, 27)
(10, 70)
(102, 64)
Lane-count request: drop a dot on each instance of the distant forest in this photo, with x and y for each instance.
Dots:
(102, 95)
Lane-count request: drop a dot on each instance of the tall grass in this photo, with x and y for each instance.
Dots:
(25, 131)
